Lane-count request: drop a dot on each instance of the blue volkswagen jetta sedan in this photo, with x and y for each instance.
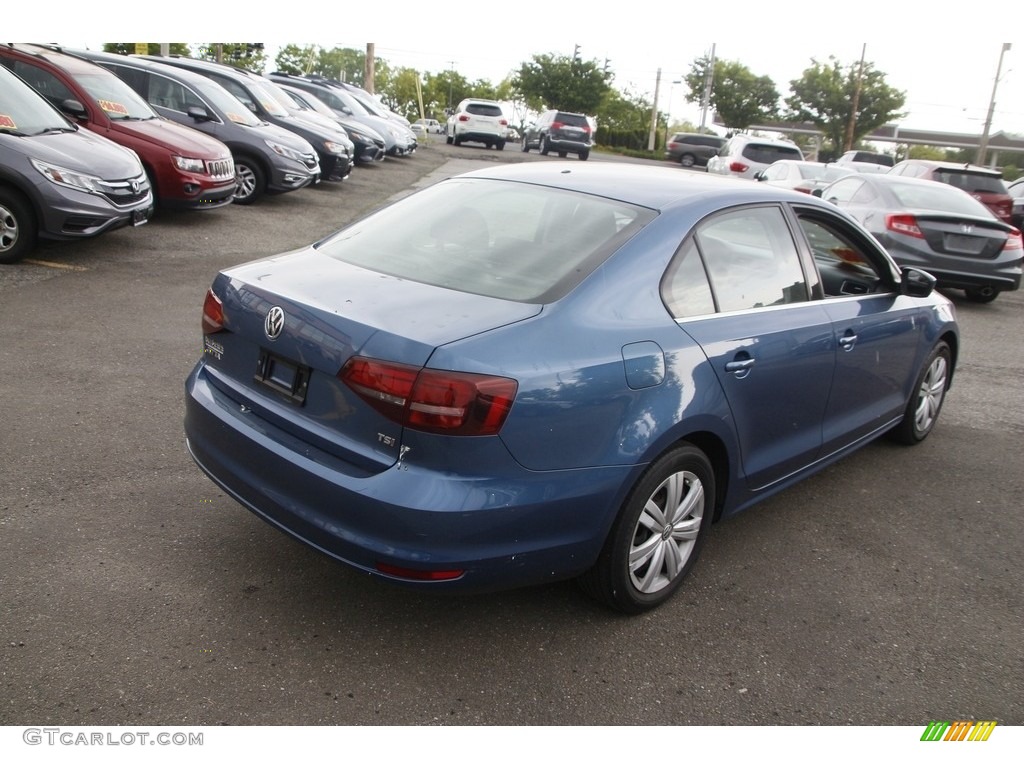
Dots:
(545, 371)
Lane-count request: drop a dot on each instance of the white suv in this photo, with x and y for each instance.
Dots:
(744, 155)
(478, 120)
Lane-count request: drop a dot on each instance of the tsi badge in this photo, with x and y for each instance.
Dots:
(274, 323)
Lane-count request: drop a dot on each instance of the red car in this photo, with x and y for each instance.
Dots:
(186, 168)
(983, 184)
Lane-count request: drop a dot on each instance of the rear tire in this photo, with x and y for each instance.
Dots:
(983, 295)
(584, 155)
(17, 227)
(927, 398)
(658, 534)
(687, 161)
(500, 146)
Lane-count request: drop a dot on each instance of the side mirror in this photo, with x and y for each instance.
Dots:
(816, 192)
(199, 114)
(759, 176)
(74, 108)
(916, 282)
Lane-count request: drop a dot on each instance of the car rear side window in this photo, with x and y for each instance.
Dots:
(685, 288)
(751, 259)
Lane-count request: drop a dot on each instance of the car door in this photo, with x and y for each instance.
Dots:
(770, 347)
(877, 331)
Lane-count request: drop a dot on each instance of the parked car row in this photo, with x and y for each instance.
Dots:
(92, 141)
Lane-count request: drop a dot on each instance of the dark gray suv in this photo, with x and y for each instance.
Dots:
(57, 181)
(693, 149)
(561, 132)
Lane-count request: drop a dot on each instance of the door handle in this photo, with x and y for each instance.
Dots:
(740, 367)
(847, 341)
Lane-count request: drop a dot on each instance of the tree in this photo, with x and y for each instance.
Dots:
(740, 97)
(561, 82)
(824, 95)
(153, 49)
(245, 55)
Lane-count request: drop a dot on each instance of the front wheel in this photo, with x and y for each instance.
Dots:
(17, 227)
(542, 147)
(658, 534)
(525, 146)
(926, 400)
(249, 179)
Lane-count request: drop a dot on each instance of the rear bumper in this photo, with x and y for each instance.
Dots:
(1002, 273)
(501, 532)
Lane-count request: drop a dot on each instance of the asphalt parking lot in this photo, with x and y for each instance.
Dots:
(887, 590)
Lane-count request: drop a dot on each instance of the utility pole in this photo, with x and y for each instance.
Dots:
(451, 76)
(368, 69)
(852, 124)
(654, 114)
(709, 81)
(983, 145)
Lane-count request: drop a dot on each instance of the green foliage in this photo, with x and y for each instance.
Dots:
(245, 55)
(561, 82)
(740, 97)
(923, 152)
(153, 49)
(824, 95)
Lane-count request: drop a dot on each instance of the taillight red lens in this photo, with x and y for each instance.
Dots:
(555, 125)
(903, 224)
(213, 313)
(1014, 241)
(463, 118)
(445, 402)
(737, 167)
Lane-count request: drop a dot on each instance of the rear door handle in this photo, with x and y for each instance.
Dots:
(740, 367)
(847, 341)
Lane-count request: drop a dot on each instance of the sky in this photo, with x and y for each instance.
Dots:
(946, 73)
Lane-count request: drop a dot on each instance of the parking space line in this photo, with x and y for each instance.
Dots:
(56, 265)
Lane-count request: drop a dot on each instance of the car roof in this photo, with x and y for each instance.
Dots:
(55, 55)
(650, 186)
(145, 63)
(203, 65)
(946, 165)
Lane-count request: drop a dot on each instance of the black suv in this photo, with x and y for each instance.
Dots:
(248, 87)
(561, 132)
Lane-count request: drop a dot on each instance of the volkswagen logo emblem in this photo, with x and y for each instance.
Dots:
(274, 323)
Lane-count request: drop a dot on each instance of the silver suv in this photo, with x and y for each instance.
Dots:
(745, 155)
(690, 149)
(57, 181)
(478, 120)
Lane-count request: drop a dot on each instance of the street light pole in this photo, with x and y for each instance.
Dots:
(983, 144)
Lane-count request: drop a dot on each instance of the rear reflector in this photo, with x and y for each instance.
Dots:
(213, 313)
(417, 575)
(445, 402)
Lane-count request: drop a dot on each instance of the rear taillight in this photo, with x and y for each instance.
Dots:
(463, 118)
(503, 121)
(1014, 241)
(213, 313)
(903, 224)
(805, 190)
(555, 125)
(738, 167)
(446, 402)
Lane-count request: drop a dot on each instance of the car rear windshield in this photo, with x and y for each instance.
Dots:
(873, 157)
(936, 197)
(769, 153)
(487, 110)
(972, 182)
(571, 119)
(507, 240)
